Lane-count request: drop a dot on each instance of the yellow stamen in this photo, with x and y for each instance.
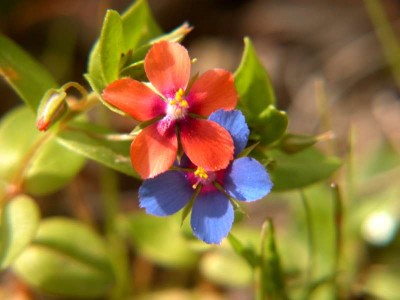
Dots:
(201, 173)
(179, 100)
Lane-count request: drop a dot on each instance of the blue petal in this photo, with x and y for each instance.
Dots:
(247, 180)
(235, 123)
(212, 217)
(165, 194)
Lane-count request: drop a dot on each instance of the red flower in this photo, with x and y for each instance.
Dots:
(178, 112)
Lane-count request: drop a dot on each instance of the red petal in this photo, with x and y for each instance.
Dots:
(134, 98)
(207, 144)
(213, 90)
(153, 153)
(167, 66)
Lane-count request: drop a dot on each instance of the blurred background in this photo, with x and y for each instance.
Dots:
(330, 71)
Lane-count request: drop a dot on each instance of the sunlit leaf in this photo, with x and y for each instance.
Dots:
(111, 46)
(26, 76)
(66, 258)
(253, 84)
(91, 142)
(160, 239)
(33, 158)
(18, 224)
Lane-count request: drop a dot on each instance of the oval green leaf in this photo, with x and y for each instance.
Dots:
(46, 166)
(66, 258)
(300, 169)
(159, 239)
(270, 125)
(18, 224)
(26, 76)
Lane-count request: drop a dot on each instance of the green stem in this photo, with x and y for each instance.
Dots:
(110, 203)
(338, 218)
(310, 244)
(17, 182)
(387, 37)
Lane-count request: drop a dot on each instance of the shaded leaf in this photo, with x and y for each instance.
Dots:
(66, 258)
(18, 224)
(26, 76)
(300, 169)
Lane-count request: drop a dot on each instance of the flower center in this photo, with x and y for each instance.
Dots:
(177, 107)
(203, 177)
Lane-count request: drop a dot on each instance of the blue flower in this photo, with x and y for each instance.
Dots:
(212, 217)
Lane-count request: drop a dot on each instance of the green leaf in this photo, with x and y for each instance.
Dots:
(26, 76)
(111, 46)
(34, 157)
(300, 169)
(253, 84)
(160, 239)
(66, 258)
(18, 224)
(139, 25)
(244, 251)
(91, 141)
(119, 36)
(270, 125)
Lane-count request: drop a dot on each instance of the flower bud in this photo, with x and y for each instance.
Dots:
(293, 143)
(52, 108)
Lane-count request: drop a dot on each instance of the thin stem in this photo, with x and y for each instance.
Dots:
(310, 243)
(110, 202)
(338, 218)
(387, 37)
(16, 183)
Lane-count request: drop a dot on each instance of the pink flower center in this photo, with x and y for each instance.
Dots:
(178, 106)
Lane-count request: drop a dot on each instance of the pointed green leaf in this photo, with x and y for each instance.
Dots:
(300, 169)
(111, 46)
(45, 166)
(91, 142)
(26, 76)
(292, 143)
(159, 239)
(253, 84)
(18, 224)
(66, 258)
